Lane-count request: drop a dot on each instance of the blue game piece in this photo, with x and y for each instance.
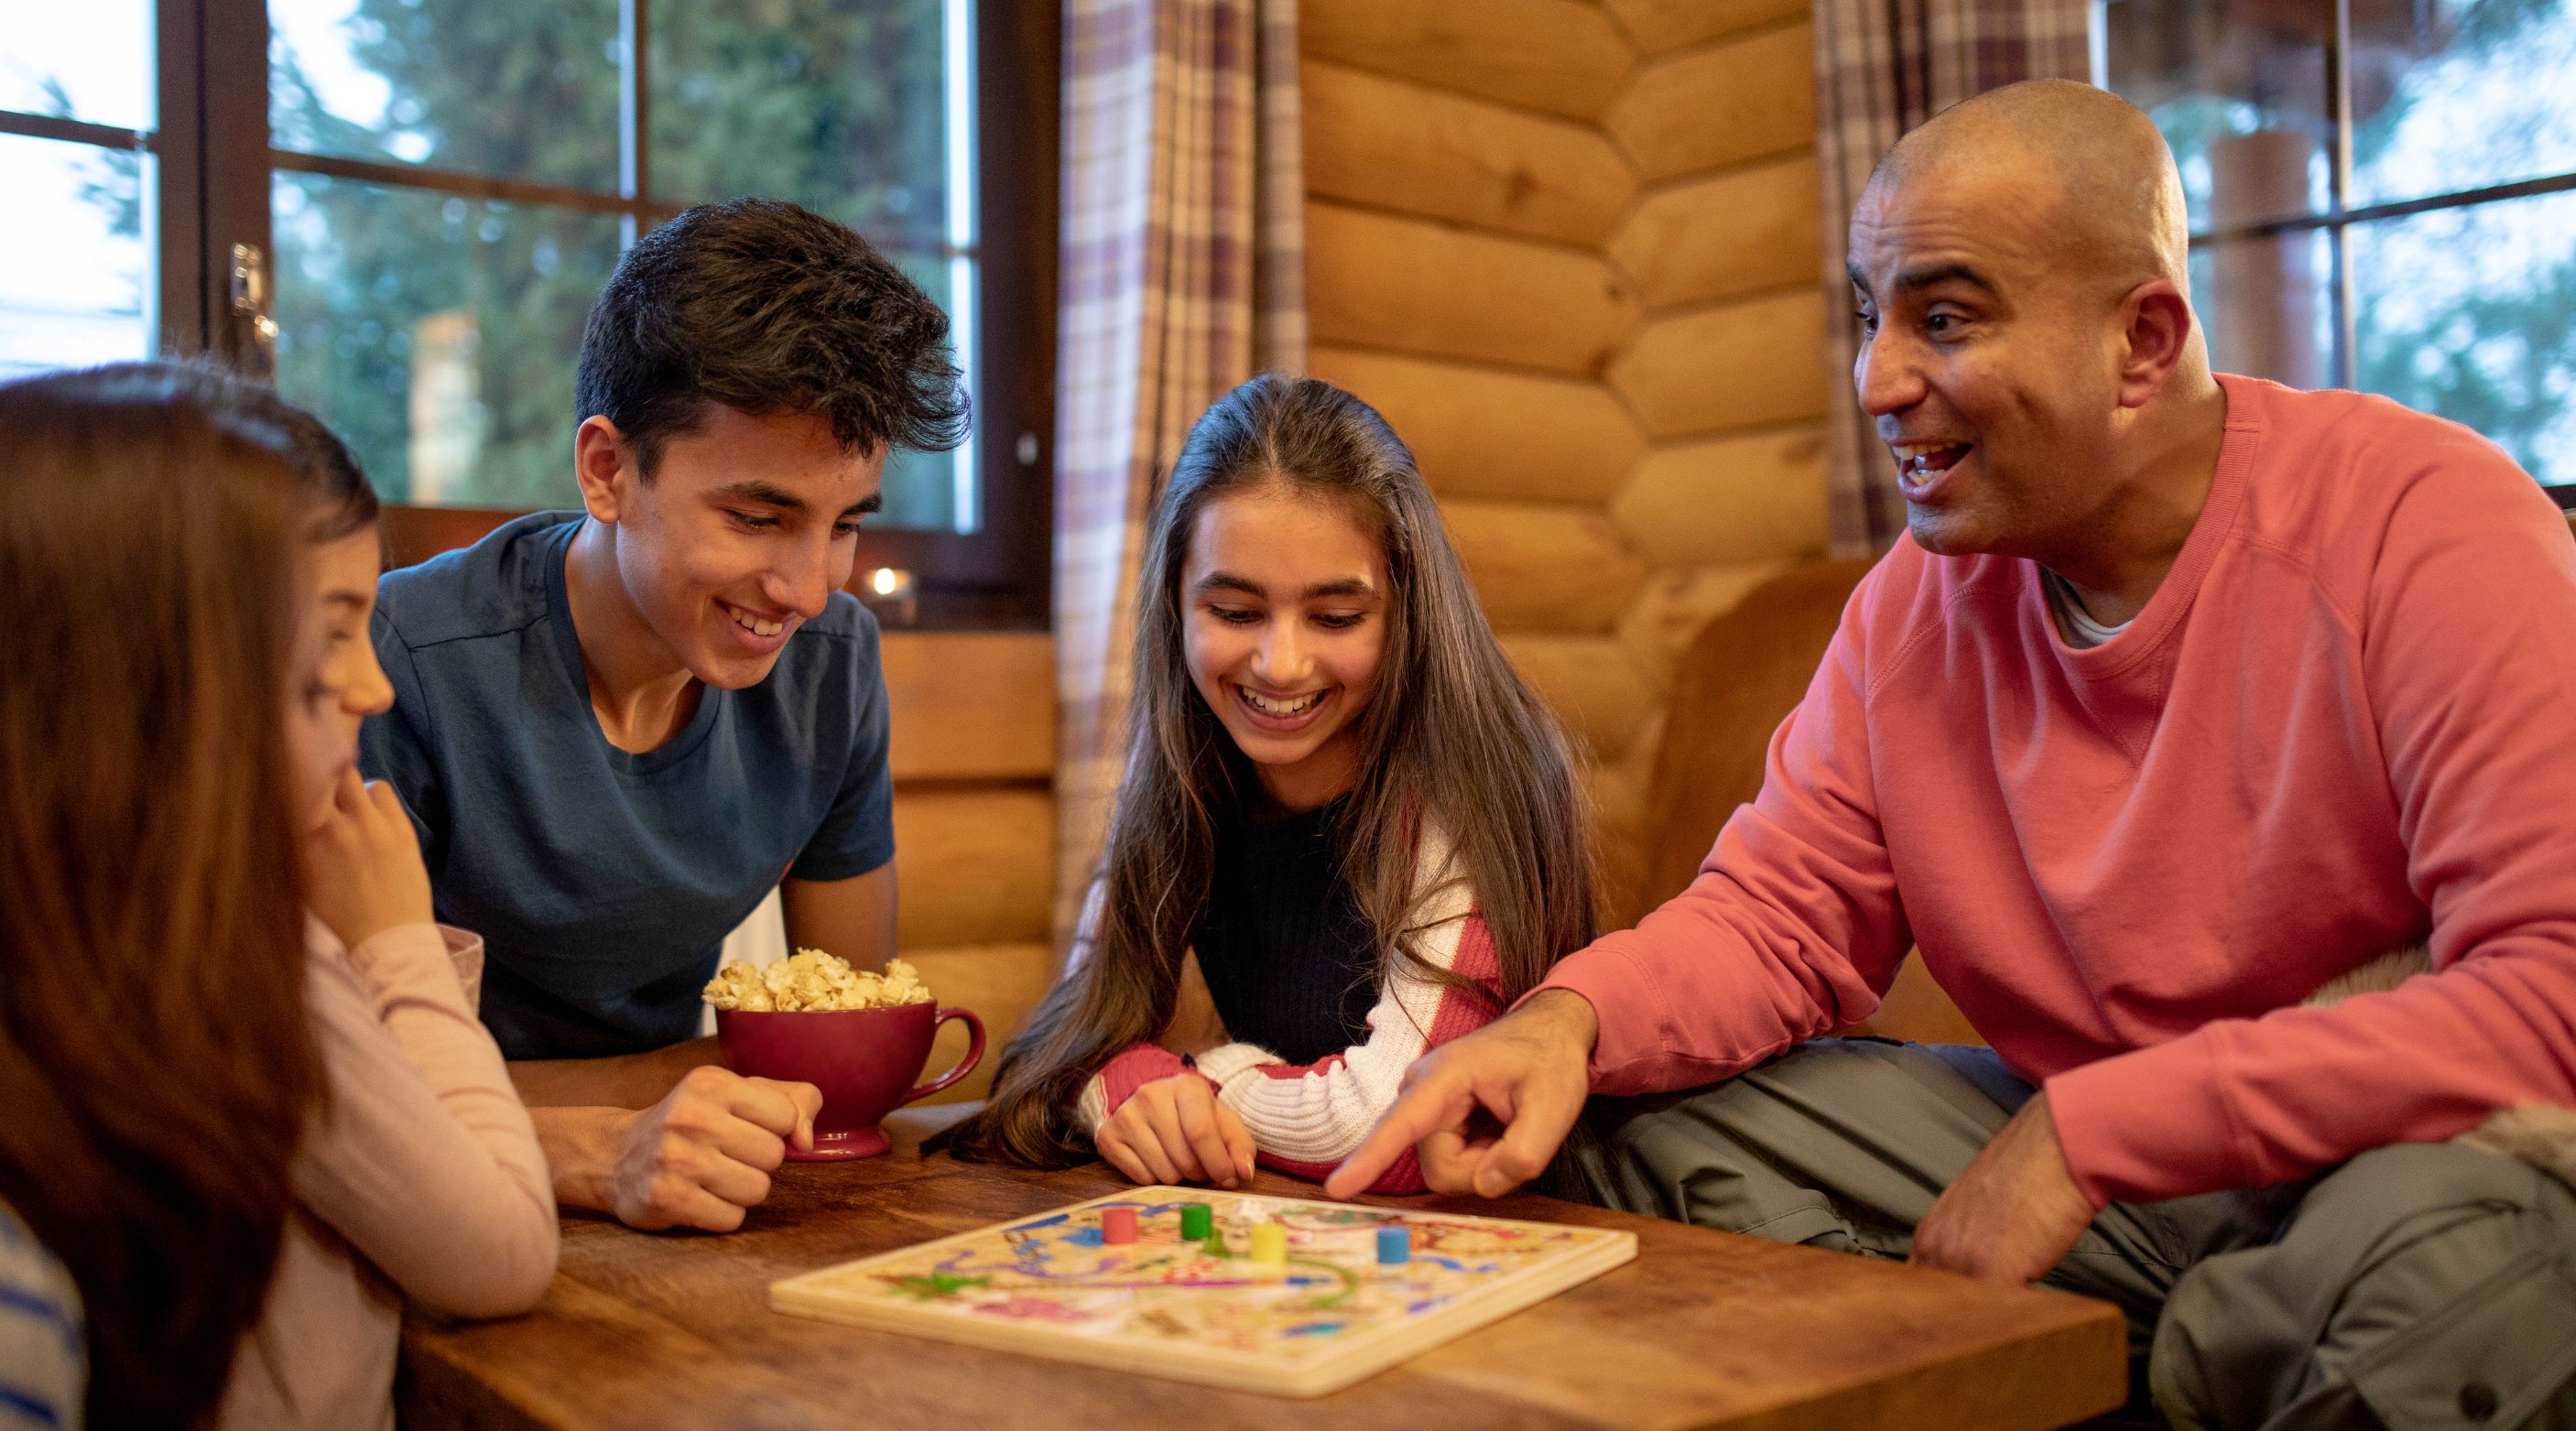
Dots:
(1394, 1246)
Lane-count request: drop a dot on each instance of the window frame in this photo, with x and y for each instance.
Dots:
(214, 162)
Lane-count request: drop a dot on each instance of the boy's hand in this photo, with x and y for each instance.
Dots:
(362, 869)
(1173, 1130)
(703, 1155)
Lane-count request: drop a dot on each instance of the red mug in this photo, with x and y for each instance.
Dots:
(864, 1060)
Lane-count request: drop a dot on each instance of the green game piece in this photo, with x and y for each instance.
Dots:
(1216, 1245)
(1198, 1221)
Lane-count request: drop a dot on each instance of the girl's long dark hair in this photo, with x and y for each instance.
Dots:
(1453, 739)
(156, 1062)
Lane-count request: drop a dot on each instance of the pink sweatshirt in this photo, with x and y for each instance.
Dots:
(424, 1183)
(2346, 721)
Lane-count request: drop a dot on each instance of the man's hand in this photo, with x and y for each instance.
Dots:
(1174, 1130)
(362, 868)
(699, 1158)
(2014, 1213)
(1527, 1071)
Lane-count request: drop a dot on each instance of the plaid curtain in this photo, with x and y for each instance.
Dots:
(1183, 253)
(1883, 67)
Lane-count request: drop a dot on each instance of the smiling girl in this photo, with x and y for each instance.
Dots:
(1348, 832)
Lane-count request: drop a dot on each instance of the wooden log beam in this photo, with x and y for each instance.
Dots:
(1751, 498)
(1001, 983)
(1545, 568)
(1659, 26)
(1738, 232)
(1487, 432)
(971, 705)
(1619, 808)
(1377, 281)
(1562, 56)
(1403, 146)
(976, 863)
(1755, 363)
(1729, 103)
(1591, 685)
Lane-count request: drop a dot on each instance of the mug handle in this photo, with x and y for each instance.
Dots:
(966, 1065)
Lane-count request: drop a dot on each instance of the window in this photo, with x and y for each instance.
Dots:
(78, 111)
(2383, 196)
(444, 185)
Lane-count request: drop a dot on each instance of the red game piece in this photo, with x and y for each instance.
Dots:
(1117, 1225)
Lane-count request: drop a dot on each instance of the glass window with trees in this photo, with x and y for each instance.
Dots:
(408, 206)
(2383, 196)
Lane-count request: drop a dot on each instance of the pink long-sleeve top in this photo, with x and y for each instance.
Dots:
(2345, 722)
(423, 1182)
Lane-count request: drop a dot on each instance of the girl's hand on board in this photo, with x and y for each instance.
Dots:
(362, 869)
(1173, 1130)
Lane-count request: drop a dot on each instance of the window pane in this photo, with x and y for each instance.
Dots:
(523, 91)
(76, 283)
(922, 488)
(2471, 313)
(2460, 94)
(2239, 89)
(835, 104)
(438, 334)
(86, 62)
(2268, 306)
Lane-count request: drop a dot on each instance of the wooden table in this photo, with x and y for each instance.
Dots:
(1702, 1330)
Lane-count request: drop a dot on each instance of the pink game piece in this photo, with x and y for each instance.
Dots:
(1117, 1225)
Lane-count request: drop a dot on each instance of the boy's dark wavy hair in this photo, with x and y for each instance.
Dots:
(766, 307)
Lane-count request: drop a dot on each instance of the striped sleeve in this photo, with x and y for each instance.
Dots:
(44, 1372)
(1132, 1068)
(1306, 1118)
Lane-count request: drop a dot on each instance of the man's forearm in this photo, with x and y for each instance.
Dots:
(635, 1080)
(1560, 1016)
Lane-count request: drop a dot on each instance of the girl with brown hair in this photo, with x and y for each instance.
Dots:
(1347, 833)
(423, 1182)
(247, 1087)
(155, 1060)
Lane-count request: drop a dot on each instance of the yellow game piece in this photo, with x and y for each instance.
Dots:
(1269, 1243)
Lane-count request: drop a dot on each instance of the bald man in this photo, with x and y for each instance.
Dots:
(2185, 694)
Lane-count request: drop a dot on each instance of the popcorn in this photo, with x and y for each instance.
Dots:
(811, 981)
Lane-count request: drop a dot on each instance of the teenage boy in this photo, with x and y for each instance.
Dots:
(619, 728)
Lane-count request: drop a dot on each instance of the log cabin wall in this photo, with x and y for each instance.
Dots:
(1569, 248)
(973, 755)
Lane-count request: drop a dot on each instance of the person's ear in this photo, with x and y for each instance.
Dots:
(603, 462)
(2156, 329)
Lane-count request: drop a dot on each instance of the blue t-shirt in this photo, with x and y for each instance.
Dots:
(604, 881)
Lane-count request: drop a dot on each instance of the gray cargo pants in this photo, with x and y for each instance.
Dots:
(2419, 1285)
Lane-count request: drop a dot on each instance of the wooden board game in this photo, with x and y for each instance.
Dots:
(1280, 1295)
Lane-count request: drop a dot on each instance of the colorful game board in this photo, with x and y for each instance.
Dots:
(1304, 1309)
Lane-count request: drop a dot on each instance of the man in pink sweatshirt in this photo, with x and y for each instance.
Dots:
(2185, 695)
